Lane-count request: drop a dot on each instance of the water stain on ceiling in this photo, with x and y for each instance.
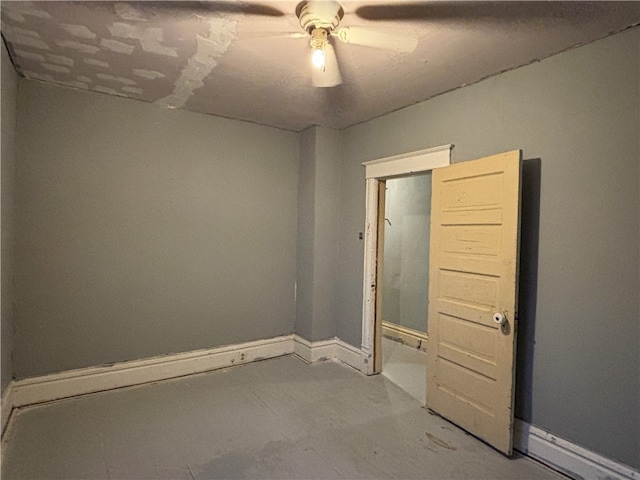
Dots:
(252, 60)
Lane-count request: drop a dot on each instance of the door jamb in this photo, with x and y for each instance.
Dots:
(376, 172)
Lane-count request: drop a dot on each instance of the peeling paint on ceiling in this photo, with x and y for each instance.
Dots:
(221, 33)
(248, 60)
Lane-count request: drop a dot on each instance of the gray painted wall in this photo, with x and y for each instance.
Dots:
(577, 113)
(143, 231)
(318, 233)
(8, 126)
(306, 234)
(405, 271)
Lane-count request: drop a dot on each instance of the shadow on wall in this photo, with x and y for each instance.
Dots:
(528, 285)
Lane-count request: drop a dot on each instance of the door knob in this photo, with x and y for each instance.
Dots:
(499, 318)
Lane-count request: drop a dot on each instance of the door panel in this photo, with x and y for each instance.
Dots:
(473, 274)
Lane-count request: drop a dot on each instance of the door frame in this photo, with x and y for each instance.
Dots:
(376, 173)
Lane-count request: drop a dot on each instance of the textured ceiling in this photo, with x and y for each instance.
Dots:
(234, 59)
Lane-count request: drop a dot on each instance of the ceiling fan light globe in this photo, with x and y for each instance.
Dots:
(317, 58)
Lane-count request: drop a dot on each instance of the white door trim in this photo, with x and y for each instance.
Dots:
(377, 171)
(409, 163)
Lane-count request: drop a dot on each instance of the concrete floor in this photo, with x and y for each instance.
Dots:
(406, 367)
(278, 418)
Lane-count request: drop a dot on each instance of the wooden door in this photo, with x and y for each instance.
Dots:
(473, 277)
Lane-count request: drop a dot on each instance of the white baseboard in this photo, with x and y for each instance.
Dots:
(567, 457)
(46, 388)
(96, 379)
(312, 352)
(558, 453)
(7, 405)
(334, 348)
(405, 335)
(352, 356)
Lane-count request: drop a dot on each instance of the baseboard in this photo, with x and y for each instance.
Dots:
(71, 383)
(46, 388)
(312, 352)
(405, 335)
(567, 457)
(575, 461)
(352, 356)
(7, 405)
(334, 348)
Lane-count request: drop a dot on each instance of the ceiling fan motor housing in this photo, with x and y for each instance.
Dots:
(314, 14)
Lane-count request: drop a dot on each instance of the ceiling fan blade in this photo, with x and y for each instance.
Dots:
(398, 41)
(188, 7)
(480, 10)
(329, 76)
(404, 11)
(267, 35)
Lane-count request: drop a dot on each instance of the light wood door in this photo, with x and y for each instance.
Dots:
(473, 276)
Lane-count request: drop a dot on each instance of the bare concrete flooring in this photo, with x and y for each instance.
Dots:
(277, 418)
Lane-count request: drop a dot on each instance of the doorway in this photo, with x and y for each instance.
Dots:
(378, 172)
(404, 285)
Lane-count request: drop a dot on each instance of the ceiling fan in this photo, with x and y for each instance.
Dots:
(320, 19)
(320, 22)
